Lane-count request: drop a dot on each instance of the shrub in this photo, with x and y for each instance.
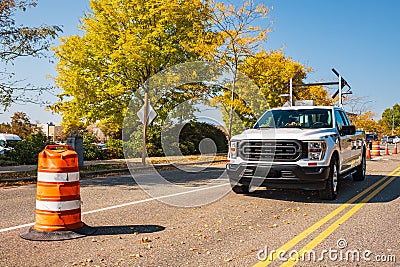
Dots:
(5, 161)
(26, 151)
(114, 149)
(90, 151)
(190, 137)
(193, 133)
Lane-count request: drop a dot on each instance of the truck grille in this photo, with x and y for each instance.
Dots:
(276, 150)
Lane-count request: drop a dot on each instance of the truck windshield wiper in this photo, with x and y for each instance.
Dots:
(293, 126)
(264, 127)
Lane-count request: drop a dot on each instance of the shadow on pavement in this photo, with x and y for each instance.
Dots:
(347, 190)
(125, 180)
(126, 229)
(174, 176)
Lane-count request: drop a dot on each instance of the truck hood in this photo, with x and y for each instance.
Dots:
(284, 133)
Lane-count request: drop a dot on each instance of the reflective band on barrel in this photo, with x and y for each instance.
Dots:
(58, 206)
(58, 177)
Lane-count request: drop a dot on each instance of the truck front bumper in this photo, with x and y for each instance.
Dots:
(279, 176)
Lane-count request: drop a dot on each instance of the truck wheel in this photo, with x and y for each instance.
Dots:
(330, 191)
(359, 175)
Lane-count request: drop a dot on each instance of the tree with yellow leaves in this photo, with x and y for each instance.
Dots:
(124, 43)
(271, 72)
(366, 122)
(237, 37)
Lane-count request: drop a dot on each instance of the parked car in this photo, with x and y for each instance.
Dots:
(388, 139)
(7, 141)
(369, 137)
(101, 146)
(396, 139)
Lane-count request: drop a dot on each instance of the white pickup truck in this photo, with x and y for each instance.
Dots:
(299, 147)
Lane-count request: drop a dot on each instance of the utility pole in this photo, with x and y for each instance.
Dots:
(145, 119)
(232, 102)
(392, 122)
(146, 115)
(291, 91)
(341, 84)
(340, 92)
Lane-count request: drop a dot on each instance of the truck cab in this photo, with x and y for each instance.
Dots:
(298, 147)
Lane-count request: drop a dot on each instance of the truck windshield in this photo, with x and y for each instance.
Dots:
(301, 118)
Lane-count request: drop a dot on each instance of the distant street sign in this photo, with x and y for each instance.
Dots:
(151, 114)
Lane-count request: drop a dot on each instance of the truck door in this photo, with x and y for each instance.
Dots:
(345, 142)
(356, 144)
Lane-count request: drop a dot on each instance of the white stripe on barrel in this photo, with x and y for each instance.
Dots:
(58, 206)
(58, 177)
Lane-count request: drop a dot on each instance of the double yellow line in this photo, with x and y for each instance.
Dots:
(322, 236)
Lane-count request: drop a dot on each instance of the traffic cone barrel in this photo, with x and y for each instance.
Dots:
(58, 201)
(395, 148)
(386, 149)
(376, 148)
(368, 156)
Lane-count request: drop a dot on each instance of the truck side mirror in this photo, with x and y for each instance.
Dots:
(347, 130)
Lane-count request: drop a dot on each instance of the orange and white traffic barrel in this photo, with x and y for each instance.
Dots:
(58, 202)
(368, 155)
(387, 149)
(376, 148)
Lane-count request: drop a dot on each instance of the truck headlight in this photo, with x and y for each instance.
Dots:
(233, 149)
(316, 150)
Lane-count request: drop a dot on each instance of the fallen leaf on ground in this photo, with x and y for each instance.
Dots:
(137, 256)
(144, 240)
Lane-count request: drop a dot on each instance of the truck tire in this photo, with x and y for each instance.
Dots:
(330, 191)
(359, 175)
(239, 188)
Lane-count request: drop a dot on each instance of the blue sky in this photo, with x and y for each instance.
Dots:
(359, 38)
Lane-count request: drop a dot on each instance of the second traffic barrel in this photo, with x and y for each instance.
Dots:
(376, 148)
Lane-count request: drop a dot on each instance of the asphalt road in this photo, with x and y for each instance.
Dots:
(197, 221)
